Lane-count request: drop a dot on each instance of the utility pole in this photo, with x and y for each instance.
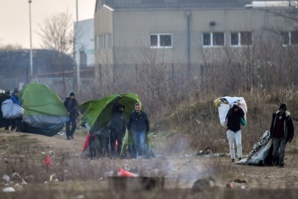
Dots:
(30, 30)
(77, 53)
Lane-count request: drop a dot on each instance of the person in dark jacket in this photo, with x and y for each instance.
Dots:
(17, 122)
(282, 132)
(138, 123)
(117, 127)
(233, 117)
(71, 106)
(7, 122)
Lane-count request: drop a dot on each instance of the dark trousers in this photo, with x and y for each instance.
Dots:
(116, 135)
(70, 131)
(7, 123)
(16, 124)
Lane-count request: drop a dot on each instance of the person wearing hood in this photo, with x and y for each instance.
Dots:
(71, 106)
(282, 132)
(233, 117)
(117, 127)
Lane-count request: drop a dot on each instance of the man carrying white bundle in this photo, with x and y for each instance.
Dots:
(234, 117)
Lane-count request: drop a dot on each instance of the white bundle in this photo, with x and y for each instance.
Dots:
(226, 103)
(11, 110)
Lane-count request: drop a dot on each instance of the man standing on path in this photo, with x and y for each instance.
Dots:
(282, 132)
(138, 123)
(71, 106)
(234, 130)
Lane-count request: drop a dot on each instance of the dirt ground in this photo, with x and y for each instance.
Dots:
(180, 172)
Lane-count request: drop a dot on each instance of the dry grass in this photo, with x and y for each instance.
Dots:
(198, 122)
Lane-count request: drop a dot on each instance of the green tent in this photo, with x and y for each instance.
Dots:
(44, 112)
(97, 114)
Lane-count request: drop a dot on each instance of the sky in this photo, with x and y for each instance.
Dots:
(14, 18)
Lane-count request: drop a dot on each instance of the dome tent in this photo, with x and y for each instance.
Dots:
(97, 114)
(44, 112)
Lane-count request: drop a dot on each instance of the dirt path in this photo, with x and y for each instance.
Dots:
(184, 168)
(56, 143)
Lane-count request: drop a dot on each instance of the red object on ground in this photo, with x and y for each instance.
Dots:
(48, 161)
(86, 143)
(229, 185)
(124, 173)
(116, 144)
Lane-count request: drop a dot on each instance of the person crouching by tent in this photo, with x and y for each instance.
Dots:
(16, 124)
(71, 106)
(234, 130)
(138, 123)
(117, 127)
(282, 132)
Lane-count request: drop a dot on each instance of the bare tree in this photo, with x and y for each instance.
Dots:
(56, 32)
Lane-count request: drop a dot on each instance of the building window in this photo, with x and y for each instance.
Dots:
(104, 41)
(289, 38)
(241, 38)
(214, 39)
(160, 40)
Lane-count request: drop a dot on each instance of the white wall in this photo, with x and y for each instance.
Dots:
(84, 40)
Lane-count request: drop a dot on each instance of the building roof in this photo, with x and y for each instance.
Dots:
(174, 4)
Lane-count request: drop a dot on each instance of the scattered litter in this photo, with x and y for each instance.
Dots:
(243, 187)
(15, 175)
(23, 182)
(207, 153)
(126, 167)
(9, 189)
(61, 133)
(109, 173)
(123, 173)
(6, 178)
(230, 185)
(214, 155)
(47, 161)
(51, 153)
(53, 177)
